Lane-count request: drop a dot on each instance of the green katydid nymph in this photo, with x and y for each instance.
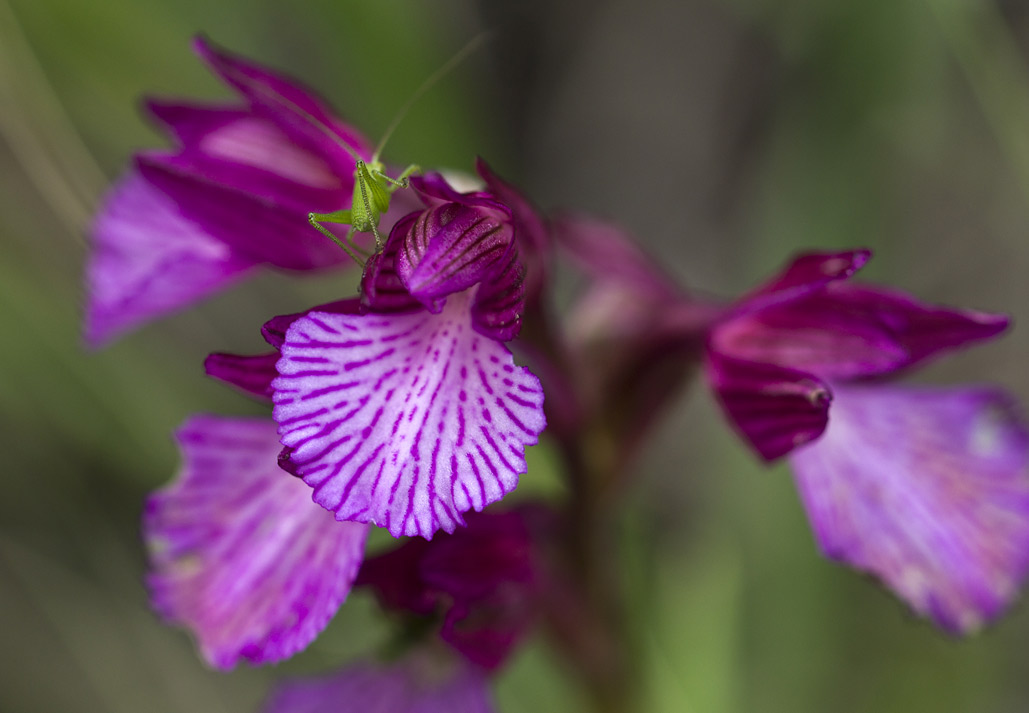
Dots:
(372, 191)
(372, 186)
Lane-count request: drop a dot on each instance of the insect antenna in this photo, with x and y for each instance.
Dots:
(291, 106)
(430, 81)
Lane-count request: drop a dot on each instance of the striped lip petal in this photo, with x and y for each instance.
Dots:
(421, 682)
(239, 553)
(928, 490)
(404, 420)
(775, 409)
(149, 260)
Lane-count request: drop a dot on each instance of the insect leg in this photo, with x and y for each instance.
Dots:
(340, 216)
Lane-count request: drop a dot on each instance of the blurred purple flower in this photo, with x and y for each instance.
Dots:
(234, 194)
(413, 412)
(239, 553)
(421, 682)
(926, 489)
(255, 570)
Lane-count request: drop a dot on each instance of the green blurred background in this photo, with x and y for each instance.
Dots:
(725, 133)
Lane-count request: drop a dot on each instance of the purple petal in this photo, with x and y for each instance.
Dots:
(849, 331)
(296, 110)
(148, 260)
(191, 122)
(928, 490)
(239, 553)
(487, 632)
(252, 375)
(434, 191)
(405, 421)
(253, 145)
(494, 550)
(774, 408)
(424, 682)
(805, 275)
(263, 219)
(489, 573)
(450, 248)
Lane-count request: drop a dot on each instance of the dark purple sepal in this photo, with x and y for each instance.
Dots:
(397, 580)
(484, 579)
(805, 275)
(774, 408)
(252, 375)
(295, 109)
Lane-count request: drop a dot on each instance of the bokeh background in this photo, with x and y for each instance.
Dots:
(726, 134)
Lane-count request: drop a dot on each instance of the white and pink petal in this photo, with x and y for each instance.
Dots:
(928, 490)
(404, 420)
(239, 553)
